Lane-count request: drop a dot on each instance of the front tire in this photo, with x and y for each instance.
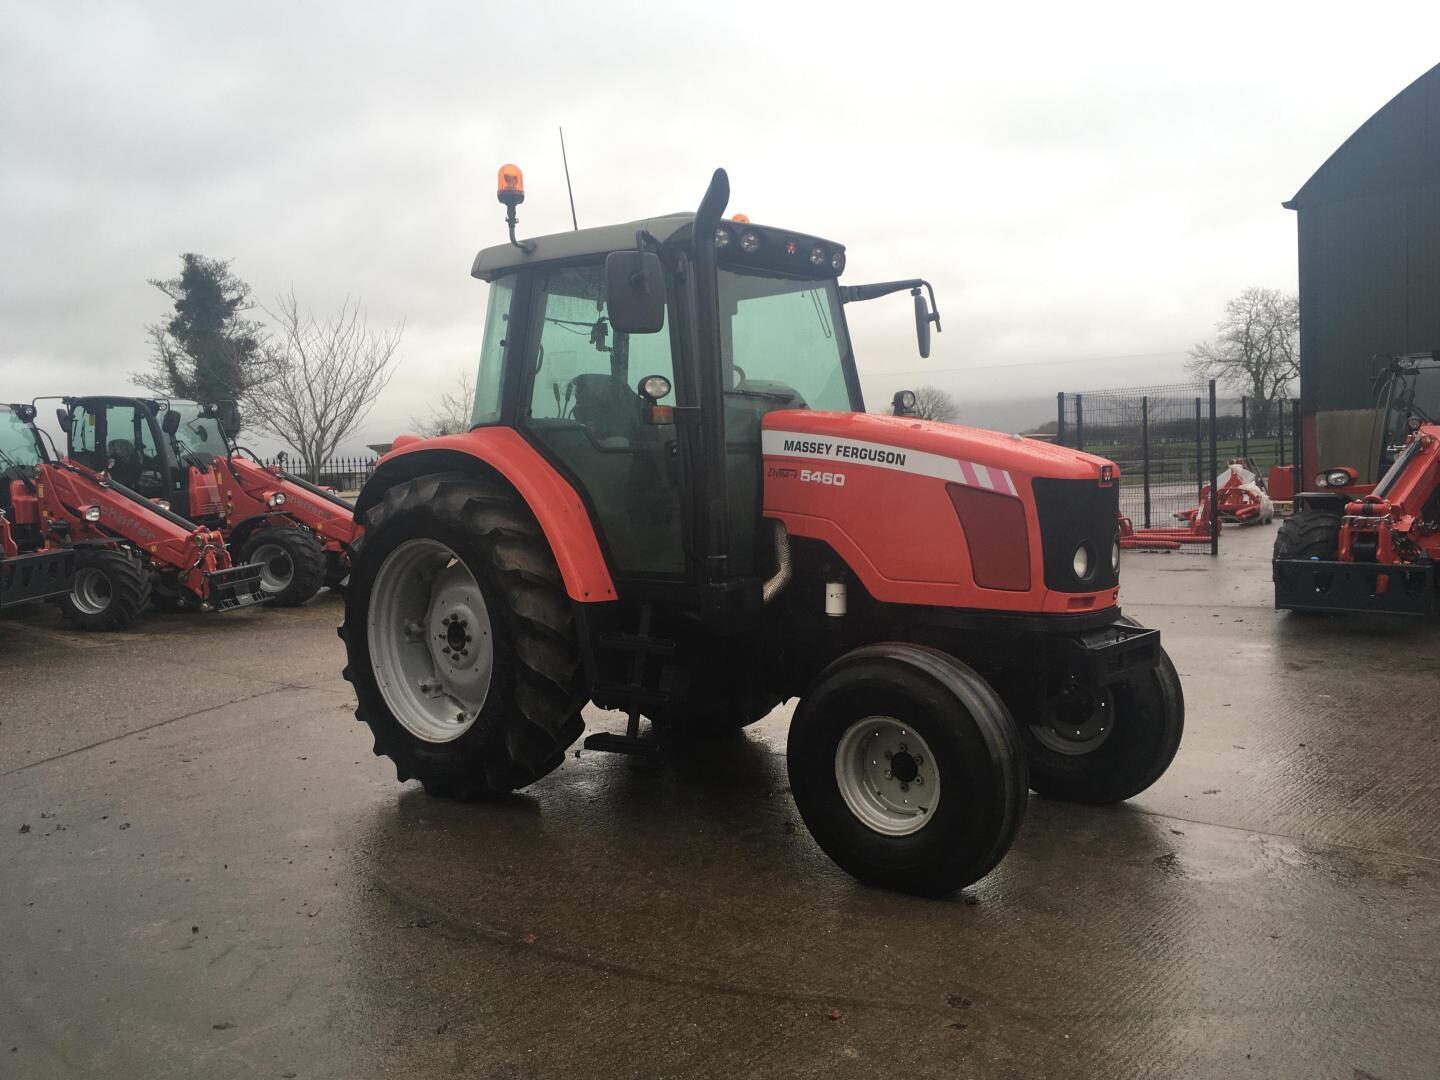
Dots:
(460, 639)
(1114, 749)
(292, 561)
(1309, 534)
(907, 770)
(110, 591)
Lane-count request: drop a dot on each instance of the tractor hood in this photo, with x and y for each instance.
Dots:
(905, 442)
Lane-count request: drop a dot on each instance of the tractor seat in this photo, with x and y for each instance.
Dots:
(606, 406)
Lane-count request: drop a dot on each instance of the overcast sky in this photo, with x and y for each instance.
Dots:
(1085, 184)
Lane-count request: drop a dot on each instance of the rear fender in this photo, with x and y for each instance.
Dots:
(502, 452)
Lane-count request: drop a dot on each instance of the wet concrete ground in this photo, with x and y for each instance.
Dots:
(204, 872)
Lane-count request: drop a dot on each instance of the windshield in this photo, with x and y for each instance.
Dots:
(18, 448)
(780, 334)
(198, 437)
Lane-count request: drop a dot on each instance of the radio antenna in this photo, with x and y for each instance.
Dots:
(568, 188)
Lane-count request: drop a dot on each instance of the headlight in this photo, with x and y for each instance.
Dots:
(655, 387)
(164, 504)
(276, 499)
(1115, 555)
(1337, 477)
(722, 236)
(749, 242)
(817, 255)
(92, 513)
(837, 261)
(1082, 563)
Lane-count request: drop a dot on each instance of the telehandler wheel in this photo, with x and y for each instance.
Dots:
(907, 769)
(293, 561)
(1104, 748)
(110, 591)
(460, 639)
(1309, 534)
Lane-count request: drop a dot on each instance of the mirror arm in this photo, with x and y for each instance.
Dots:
(856, 293)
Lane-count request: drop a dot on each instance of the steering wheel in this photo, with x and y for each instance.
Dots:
(736, 369)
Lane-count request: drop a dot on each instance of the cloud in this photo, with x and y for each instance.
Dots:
(1077, 183)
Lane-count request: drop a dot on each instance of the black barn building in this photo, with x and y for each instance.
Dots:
(1369, 224)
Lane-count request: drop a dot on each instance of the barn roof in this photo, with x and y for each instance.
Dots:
(1398, 147)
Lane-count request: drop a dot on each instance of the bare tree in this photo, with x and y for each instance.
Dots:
(327, 376)
(452, 415)
(1256, 349)
(932, 403)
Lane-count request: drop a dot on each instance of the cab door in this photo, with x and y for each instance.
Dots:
(580, 407)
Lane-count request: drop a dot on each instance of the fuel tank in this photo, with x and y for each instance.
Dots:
(940, 515)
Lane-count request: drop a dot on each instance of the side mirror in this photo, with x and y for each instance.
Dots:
(635, 292)
(63, 415)
(171, 424)
(922, 323)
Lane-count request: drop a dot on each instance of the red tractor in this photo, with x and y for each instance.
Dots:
(184, 455)
(1359, 546)
(673, 503)
(123, 544)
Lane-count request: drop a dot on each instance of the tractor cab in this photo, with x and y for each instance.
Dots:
(640, 360)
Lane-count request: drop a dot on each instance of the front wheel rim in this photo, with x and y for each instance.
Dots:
(277, 568)
(431, 643)
(91, 592)
(1076, 721)
(887, 775)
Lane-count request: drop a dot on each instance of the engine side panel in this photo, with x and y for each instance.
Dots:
(884, 507)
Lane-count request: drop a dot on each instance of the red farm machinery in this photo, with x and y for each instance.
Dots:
(1372, 546)
(674, 504)
(183, 455)
(121, 544)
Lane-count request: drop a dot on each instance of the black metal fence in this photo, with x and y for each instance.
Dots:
(1165, 440)
(340, 473)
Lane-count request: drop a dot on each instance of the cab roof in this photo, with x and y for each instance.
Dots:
(494, 261)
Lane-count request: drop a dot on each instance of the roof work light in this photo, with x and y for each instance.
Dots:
(510, 185)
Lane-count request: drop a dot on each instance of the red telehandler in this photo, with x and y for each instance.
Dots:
(184, 454)
(123, 544)
(1359, 546)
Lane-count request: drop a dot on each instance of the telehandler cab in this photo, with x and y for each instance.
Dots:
(1372, 545)
(673, 503)
(184, 454)
(32, 569)
(123, 544)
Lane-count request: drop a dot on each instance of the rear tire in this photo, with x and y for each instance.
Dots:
(517, 700)
(294, 563)
(1309, 534)
(110, 591)
(1134, 741)
(936, 717)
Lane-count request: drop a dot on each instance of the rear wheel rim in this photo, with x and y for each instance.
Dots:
(91, 594)
(431, 644)
(277, 567)
(887, 775)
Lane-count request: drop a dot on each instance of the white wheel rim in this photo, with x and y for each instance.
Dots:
(887, 776)
(277, 568)
(91, 591)
(430, 640)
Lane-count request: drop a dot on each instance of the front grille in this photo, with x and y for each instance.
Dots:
(1073, 512)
